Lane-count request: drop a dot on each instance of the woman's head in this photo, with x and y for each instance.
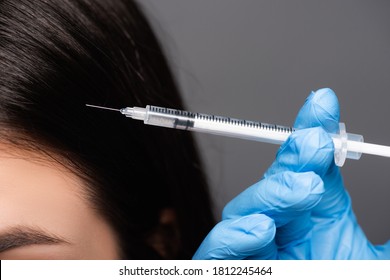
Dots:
(133, 179)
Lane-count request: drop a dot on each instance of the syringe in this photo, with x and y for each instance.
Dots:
(347, 145)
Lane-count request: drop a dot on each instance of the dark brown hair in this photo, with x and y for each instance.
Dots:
(56, 56)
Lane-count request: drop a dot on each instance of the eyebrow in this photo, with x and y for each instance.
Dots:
(23, 236)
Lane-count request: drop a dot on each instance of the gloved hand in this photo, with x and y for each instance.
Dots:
(300, 209)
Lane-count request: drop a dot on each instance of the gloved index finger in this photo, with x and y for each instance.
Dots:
(310, 150)
(320, 109)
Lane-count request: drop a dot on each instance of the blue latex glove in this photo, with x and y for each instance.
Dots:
(300, 209)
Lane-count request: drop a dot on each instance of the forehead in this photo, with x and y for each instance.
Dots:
(33, 190)
(42, 194)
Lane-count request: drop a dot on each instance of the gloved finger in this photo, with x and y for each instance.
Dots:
(321, 108)
(239, 238)
(286, 197)
(305, 150)
(295, 234)
(312, 150)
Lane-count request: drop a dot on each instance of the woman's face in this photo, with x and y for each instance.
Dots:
(44, 213)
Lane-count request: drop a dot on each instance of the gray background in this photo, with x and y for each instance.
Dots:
(259, 60)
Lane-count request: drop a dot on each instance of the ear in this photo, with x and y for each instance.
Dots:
(165, 238)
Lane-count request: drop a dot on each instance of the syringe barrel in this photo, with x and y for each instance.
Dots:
(218, 125)
(166, 117)
(238, 128)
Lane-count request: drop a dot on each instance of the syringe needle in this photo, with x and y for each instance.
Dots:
(100, 107)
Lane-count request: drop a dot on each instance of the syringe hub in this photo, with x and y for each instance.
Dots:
(137, 113)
